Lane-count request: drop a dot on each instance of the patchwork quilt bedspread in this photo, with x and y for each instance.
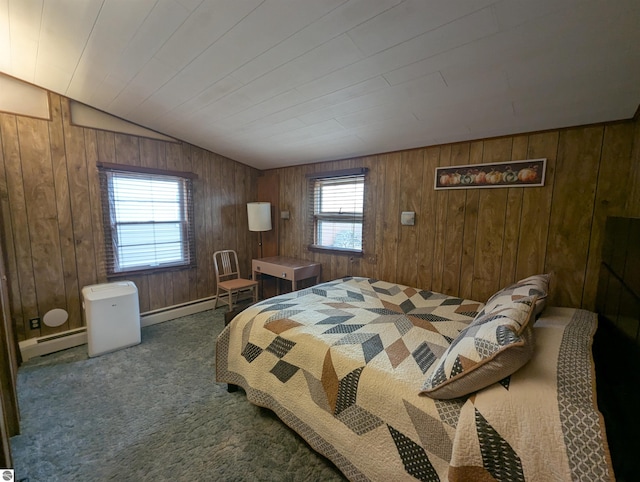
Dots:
(342, 364)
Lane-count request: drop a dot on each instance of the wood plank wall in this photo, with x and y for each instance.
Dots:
(470, 243)
(50, 201)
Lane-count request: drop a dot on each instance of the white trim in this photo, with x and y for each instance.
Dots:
(149, 318)
(85, 116)
(44, 345)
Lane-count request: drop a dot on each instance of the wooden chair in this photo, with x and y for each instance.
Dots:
(228, 277)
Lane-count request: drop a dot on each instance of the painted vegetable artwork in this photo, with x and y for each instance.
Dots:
(515, 173)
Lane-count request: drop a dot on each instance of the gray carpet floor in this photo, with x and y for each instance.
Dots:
(152, 412)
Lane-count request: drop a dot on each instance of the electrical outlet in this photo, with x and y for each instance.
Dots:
(34, 323)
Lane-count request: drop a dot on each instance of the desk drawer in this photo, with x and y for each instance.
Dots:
(276, 270)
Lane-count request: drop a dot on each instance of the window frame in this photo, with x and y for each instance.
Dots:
(109, 221)
(347, 218)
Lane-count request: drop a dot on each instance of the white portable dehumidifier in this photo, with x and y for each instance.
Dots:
(112, 312)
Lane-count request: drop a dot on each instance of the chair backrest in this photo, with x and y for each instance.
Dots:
(226, 265)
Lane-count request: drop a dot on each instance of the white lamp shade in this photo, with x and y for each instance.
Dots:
(259, 215)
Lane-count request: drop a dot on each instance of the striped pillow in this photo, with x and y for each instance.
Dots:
(492, 347)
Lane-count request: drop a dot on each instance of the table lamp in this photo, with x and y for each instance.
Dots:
(259, 217)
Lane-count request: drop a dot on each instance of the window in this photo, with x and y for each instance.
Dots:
(148, 219)
(337, 210)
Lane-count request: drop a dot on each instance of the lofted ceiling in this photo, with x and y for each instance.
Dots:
(274, 83)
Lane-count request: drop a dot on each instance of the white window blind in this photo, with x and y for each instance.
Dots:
(148, 220)
(336, 211)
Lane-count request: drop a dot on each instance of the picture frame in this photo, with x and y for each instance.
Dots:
(521, 173)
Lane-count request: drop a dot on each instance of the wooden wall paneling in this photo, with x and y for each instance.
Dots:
(340, 266)
(513, 218)
(7, 235)
(243, 192)
(158, 293)
(302, 241)
(106, 143)
(187, 153)
(26, 295)
(95, 200)
(632, 207)
(40, 196)
(167, 281)
(379, 173)
(142, 283)
(572, 212)
(180, 278)
(284, 242)
(180, 286)
(79, 196)
(219, 214)
(9, 406)
(426, 232)
(127, 149)
(160, 148)
(229, 202)
(491, 223)
(305, 232)
(390, 216)
(214, 221)
(185, 158)
(411, 182)
(613, 184)
(152, 153)
(368, 261)
(173, 154)
(472, 203)
(9, 409)
(6, 460)
(200, 200)
(536, 208)
(454, 230)
(179, 159)
(297, 212)
(64, 218)
(288, 202)
(267, 190)
(14, 316)
(440, 225)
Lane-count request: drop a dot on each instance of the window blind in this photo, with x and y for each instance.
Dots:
(336, 210)
(148, 220)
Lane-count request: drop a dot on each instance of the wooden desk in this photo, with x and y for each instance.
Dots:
(287, 268)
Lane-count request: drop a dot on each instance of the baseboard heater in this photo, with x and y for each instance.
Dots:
(44, 345)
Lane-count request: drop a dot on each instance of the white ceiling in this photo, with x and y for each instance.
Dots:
(280, 82)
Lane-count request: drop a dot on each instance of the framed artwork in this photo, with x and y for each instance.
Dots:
(525, 173)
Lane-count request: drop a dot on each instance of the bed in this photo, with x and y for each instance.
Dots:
(371, 373)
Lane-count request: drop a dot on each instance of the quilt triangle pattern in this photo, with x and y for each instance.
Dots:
(498, 457)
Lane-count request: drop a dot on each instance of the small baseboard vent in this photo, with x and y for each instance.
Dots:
(44, 345)
(176, 311)
(48, 344)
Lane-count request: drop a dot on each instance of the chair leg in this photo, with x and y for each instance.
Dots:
(230, 300)
(255, 293)
(217, 298)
